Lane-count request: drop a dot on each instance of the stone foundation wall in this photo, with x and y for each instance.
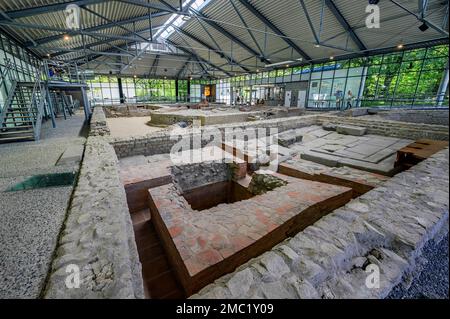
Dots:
(430, 116)
(129, 110)
(99, 126)
(383, 127)
(331, 258)
(98, 235)
(161, 143)
(191, 176)
(435, 117)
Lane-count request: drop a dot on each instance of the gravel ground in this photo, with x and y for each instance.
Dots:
(130, 126)
(432, 283)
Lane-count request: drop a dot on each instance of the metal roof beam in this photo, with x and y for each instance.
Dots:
(247, 27)
(168, 5)
(274, 28)
(343, 22)
(308, 18)
(98, 28)
(420, 18)
(209, 47)
(183, 68)
(153, 68)
(153, 5)
(200, 59)
(16, 14)
(229, 35)
(113, 22)
(68, 32)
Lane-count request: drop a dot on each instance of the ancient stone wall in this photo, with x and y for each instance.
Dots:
(129, 110)
(98, 235)
(162, 143)
(429, 116)
(390, 128)
(99, 126)
(191, 176)
(334, 257)
(435, 117)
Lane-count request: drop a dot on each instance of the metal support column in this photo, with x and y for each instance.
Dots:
(443, 86)
(86, 106)
(121, 95)
(50, 104)
(189, 91)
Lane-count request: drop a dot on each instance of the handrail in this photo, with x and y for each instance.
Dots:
(6, 73)
(37, 84)
(40, 108)
(8, 102)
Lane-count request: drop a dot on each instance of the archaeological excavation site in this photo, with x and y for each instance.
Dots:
(212, 149)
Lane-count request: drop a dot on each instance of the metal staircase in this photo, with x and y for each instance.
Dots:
(29, 103)
(21, 117)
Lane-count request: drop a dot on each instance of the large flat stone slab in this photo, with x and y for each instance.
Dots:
(351, 130)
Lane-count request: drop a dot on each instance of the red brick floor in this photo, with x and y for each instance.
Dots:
(215, 240)
(159, 279)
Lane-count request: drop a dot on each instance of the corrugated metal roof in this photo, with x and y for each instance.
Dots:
(288, 16)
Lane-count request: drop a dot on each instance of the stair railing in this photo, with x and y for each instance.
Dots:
(5, 73)
(37, 104)
(7, 103)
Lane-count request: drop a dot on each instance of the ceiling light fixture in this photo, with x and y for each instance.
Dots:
(400, 46)
(66, 37)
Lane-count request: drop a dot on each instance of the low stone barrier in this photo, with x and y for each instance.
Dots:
(390, 128)
(334, 257)
(99, 126)
(434, 117)
(98, 236)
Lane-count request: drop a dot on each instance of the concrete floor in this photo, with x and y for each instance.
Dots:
(32, 219)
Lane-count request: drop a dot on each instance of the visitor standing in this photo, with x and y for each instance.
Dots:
(349, 100)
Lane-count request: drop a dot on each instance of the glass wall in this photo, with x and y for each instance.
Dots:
(17, 64)
(104, 90)
(405, 78)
